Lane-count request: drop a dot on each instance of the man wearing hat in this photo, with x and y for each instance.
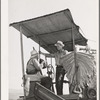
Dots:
(33, 70)
(60, 72)
(33, 65)
(34, 73)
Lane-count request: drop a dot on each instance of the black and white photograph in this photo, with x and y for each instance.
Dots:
(52, 50)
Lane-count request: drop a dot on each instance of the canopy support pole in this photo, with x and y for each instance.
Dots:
(73, 39)
(39, 50)
(22, 57)
(39, 57)
(51, 60)
(76, 64)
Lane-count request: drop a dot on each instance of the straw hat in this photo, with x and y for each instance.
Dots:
(34, 53)
(59, 43)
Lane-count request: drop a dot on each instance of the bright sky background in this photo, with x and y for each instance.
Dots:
(84, 13)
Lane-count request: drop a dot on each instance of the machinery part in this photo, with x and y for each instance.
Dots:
(43, 93)
(91, 93)
(50, 70)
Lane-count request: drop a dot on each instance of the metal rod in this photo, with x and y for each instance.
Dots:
(51, 60)
(39, 50)
(39, 57)
(22, 57)
(73, 39)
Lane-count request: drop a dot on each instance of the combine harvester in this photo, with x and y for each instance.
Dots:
(46, 31)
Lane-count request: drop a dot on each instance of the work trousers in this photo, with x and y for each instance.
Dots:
(59, 82)
(45, 81)
(31, 95)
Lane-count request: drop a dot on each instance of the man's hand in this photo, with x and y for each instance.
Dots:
(60, 78)
(40, 52)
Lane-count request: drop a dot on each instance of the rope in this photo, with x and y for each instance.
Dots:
(82, 32)
(85, 35)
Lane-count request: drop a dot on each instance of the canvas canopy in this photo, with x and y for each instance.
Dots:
(48, 29)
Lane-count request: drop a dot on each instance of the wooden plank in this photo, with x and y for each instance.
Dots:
(45, 94)
(70, 96)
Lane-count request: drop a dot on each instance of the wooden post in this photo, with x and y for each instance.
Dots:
(51, 60)
(76, 64)
(22, 57)
(39, 57)
(39, 51)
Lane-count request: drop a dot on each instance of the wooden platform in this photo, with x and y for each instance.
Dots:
(71, 97)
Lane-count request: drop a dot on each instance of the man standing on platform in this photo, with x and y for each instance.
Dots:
(60, 72)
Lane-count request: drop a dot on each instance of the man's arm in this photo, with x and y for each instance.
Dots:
(37, 64)
(47, 54)
(65, 53)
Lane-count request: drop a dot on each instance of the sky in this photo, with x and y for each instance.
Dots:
(84, 13)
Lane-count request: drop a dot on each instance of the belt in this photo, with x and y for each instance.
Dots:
(59, 66)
